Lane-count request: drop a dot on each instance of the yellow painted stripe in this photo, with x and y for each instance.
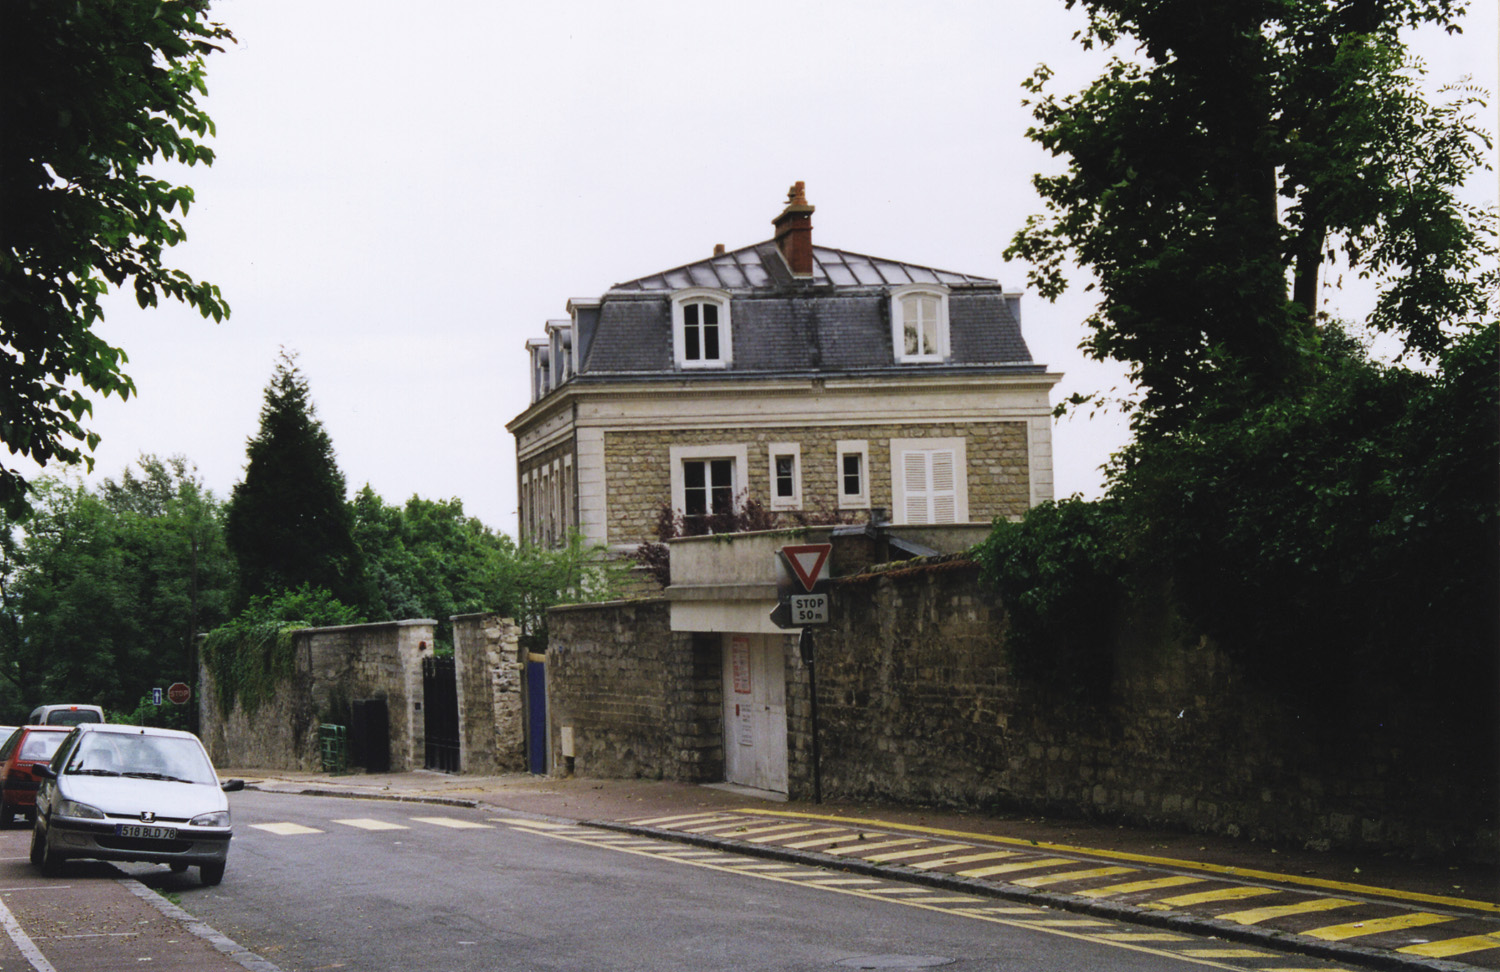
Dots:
(1044, 879)
(1223, 953)
(1238, 872)
(833, 881)
(777, 828)
(1144, 937)
(453, 823)
(806, 832)
(1018, 866)
(1255, 916)
(1454, 946)
(859, 847)
(1071, 923)
(711, 826)
(919, 852)
(966, 859)
(1208, 897)
(1134, 886)
(1357, 929)
(679, 819)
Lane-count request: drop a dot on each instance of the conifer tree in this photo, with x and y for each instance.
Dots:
(288, 523)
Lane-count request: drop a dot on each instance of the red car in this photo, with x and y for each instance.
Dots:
(26, 747)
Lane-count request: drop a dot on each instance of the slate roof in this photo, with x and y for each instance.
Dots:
(760, 267)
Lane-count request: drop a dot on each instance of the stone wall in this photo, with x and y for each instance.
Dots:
(491, 702)
(638, 470)
(334, 667)
(638, 699)
(917, 704)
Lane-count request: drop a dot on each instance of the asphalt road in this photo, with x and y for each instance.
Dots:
(319, 884)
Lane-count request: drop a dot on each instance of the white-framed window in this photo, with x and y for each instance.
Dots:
(919, 323)
(708, 479)
(929, 481)
(853, 457)
(701, 329)
(785, 460)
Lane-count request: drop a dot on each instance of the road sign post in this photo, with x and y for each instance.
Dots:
(802, 585)
(179, 693)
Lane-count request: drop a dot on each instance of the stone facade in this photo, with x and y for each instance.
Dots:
(334, 667)
(637, 468)
(491, 700)
(637, 699)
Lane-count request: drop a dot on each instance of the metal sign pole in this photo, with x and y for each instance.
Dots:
(805, 644)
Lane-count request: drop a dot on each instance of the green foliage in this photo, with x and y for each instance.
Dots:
(1245, 145)
(90, 93)
(288, 523)
(1060, 573)
(579, 573)
(103, 593)
(252, 654)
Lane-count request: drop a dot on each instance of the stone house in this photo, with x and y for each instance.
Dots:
(806, 380)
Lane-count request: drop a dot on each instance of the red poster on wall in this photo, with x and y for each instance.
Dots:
(739, 654)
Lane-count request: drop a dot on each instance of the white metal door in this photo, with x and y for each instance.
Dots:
(755, 712)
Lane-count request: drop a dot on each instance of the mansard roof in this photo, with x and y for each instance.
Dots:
(761, 267)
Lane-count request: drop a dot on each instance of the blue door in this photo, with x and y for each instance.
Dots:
(536, 714)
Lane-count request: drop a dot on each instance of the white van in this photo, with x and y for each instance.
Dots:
(64, 715)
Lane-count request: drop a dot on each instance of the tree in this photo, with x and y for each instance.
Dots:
(288, 523)
(90, 93)
(1249, 144)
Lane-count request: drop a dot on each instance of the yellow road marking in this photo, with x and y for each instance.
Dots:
(1144, 937)
(799, 845)
(1454, 946)
(534, 824)
(823, 882)
(1133, 886)
(453, 823)
(795, 833)
(1225, 953)
(750, 831)
(724, 823)
(1222, 894)
(1237, 872)
(1018, 866)
(679, 819)
(367, 823)
(864, 845)
(1255, 916)
(1044, 879)
(907, 854)
(1072, 923)
(967, 859)
(286, 829)
(901, 891)
(1357, 929)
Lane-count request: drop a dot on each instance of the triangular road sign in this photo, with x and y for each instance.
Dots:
(807, 562)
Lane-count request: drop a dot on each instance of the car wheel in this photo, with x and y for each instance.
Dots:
(51, 860)
(211, 873)
(178, 866)
(36, 847)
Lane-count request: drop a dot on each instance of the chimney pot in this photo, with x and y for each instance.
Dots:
(718, 249)
(794, 231)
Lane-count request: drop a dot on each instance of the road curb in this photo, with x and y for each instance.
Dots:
(222, 943)
(1188, 924)
(393, 797)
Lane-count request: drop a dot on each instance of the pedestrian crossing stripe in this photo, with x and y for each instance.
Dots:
(453, 823)
(368, 823)
(286, 829)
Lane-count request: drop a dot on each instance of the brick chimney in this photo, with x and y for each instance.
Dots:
(794, 232)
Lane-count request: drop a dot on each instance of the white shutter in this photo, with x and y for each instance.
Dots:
(914, 465)
(944, 489)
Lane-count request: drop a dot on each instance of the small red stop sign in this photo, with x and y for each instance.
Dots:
(179, 693)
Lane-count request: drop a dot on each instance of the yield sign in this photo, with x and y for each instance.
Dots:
(807, 562)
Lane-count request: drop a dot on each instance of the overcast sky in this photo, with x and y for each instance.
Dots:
(405, 192)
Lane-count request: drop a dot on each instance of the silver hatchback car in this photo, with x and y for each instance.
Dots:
(132, 793)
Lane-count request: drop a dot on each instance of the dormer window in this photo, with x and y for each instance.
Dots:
(919, 323)
(700, 329)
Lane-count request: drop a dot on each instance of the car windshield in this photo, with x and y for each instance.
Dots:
(40, 746)
(141, 756)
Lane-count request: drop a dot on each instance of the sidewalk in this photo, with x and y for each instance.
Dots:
(1373, 911)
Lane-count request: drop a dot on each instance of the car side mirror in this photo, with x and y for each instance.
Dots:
(232, 786)
(44, 771)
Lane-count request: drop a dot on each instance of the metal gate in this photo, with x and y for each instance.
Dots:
(440, 713)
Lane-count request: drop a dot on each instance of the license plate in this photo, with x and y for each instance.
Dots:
(150, 833)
